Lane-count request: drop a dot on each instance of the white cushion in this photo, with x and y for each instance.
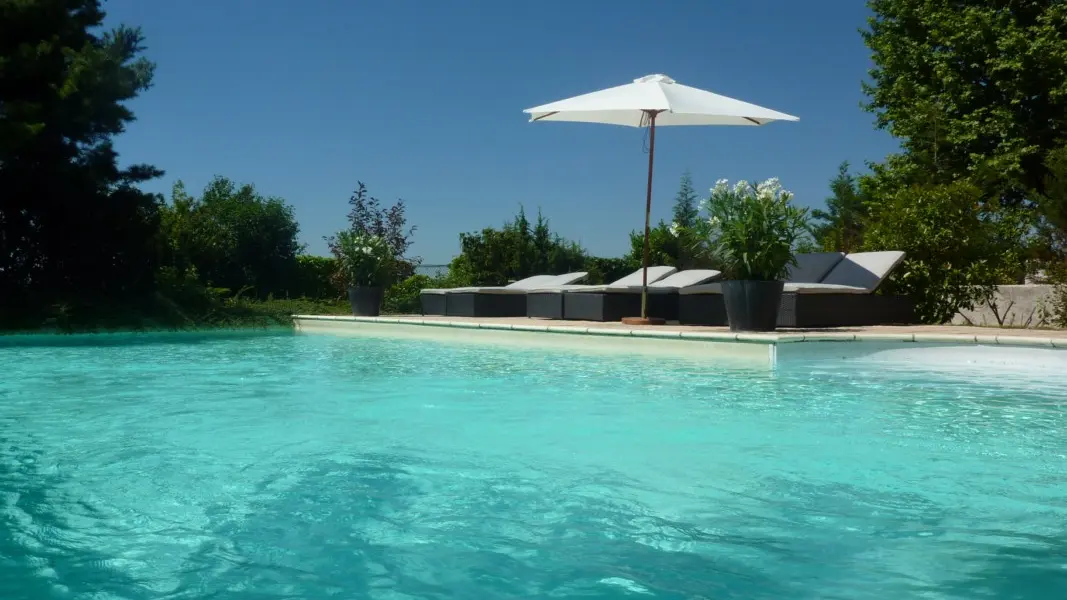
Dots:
(859, 273)
(523, 284)
(519, 286)
(559, 289)
(503, 291)
(654, 274)
(686, 278)
(864, 269)
(621, 289)
(824, 288)
(566, 279)
(811, 268)
(669, 284)
(635, 278)
(705, 288)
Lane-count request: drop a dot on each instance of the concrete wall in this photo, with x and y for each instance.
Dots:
(1013, 306)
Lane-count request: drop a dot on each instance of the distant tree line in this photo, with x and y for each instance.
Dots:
(976, 92)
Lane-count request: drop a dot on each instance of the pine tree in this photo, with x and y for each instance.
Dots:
(841, 229)
(685, 203)
(74, 227)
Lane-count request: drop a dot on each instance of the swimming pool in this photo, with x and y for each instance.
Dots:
(311, 467)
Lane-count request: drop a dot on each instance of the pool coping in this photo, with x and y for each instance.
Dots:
(774, 339)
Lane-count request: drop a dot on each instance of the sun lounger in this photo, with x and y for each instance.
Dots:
(613, 302)
(433, 301)
(704, 305)
(546, 302)
(846, 298)
(505, 301)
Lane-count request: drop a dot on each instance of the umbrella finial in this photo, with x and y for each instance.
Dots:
(658, 78)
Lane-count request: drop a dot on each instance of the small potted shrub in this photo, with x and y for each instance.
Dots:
(366, 267)
(753, 230)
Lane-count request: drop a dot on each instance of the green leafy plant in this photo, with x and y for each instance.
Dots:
(364, 260)
(753, 229)
(606, 270)
(971, 89)
(314, 278)
(957, 249)
(1057, 311)
(403, 297)
(518, 249)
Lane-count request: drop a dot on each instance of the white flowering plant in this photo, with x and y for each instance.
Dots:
(753, 229)
(364, 260)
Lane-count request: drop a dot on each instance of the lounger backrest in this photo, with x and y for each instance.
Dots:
(811, 268)
(864, 269)
(686, 278)
(635, 278)
(529, 282)
(566, 279)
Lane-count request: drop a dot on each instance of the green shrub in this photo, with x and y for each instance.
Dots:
(403, 298)
(314, 278)
(607, 270)
(1059, 306)
(957, 249)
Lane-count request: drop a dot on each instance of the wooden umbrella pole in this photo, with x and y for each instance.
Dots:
(648, 213)
(644, 318)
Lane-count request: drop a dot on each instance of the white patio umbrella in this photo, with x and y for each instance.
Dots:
(647, 102)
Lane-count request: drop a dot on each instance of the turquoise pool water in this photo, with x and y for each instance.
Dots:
(308, 467)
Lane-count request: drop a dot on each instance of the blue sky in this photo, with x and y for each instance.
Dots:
(423, 100)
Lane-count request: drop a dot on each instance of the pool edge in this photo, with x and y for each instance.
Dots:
(722, 348)
(722, 341)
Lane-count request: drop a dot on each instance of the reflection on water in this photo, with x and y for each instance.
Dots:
(303, 468)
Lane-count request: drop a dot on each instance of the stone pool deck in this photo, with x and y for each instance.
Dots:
(717, 342)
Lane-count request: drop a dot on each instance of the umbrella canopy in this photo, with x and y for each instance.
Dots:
(674, 103)
(647, 102)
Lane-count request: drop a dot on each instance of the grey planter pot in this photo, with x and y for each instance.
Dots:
(366, 301)
(752, 305)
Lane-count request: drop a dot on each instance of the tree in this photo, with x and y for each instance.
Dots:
(1052, 224)
(74, 228)
(233, 237)
(664, 246)
(973, 89)
(685, 203)
(839, 228)
(497, 256)
(956, 250)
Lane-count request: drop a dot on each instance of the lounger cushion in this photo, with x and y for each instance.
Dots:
(686, 278)
(705, 288)
(668, 284)
(824, 288)
(502, 291)
(859, 273)
(864, 269)
(812, 267)
(566, 279)
(619, 289)
(635, 278)
(520, 286)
